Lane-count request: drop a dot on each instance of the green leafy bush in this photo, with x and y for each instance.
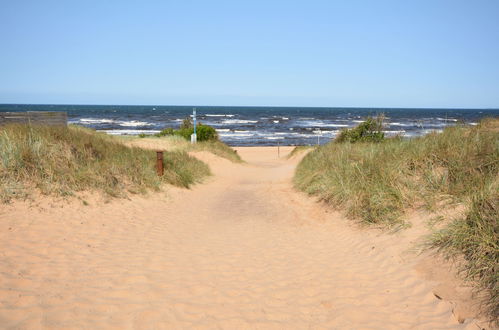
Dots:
(370, 130)
(204, 132)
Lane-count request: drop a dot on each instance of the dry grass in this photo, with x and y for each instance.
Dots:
(378, 182)
(298, 150)
(173, 142)
(61, 161)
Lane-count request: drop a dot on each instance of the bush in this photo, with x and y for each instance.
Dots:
(204, 132)
(370, 130)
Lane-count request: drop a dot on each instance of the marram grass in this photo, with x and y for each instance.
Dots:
(377, 182)
(175, 142)
(62, 161)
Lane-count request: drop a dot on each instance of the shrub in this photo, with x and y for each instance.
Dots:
(206, 133)
(371, 130)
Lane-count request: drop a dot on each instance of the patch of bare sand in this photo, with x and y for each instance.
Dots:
(242, 251)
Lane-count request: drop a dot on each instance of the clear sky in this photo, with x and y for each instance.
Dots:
(291, 53)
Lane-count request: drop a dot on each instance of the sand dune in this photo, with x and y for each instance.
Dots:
(242, 251)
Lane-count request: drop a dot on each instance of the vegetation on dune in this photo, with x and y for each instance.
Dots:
(61, 161)
(203, 132)
(218, 148)
(371, 130)
(476, 238)
(207, 140)
(377, 182)
(299, 149)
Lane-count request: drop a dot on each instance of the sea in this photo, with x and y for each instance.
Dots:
(260, 126)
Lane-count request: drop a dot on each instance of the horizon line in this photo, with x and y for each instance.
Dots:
(255, 106)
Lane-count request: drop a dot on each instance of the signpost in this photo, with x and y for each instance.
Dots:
(194, 135)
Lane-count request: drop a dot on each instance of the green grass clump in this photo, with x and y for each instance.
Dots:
(378, 182)
(61, 161)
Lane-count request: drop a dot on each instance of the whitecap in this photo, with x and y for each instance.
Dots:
(218, 115)
(134, 123)
(129, 131)
(399, 124)
(96, 121)
(239, 121)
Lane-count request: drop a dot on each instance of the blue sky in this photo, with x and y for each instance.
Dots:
(289, 53)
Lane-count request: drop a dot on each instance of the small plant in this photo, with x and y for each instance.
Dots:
(142, 135)
(371, 130)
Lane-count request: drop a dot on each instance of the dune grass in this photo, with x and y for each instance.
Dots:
(476, 239)
(175, 142)
(375, 182)
(378, 182)
(299, 149)
(217, 148)
(62, 161)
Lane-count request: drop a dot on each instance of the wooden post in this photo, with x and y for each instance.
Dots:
(278, 150)
(159, 163)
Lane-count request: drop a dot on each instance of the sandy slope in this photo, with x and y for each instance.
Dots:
(242, 251)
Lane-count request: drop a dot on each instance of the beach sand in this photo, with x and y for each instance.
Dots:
(243, 250)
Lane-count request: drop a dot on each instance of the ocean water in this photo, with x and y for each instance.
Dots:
(250, 126)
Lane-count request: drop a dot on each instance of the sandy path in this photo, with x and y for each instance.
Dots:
(242, 251)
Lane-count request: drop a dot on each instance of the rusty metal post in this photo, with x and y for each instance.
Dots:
(159, 162)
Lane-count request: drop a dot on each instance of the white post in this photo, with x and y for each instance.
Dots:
(194, 135)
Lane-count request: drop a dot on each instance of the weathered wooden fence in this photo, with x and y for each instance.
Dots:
(52, 118)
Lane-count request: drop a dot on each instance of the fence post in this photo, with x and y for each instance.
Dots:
(159, 163)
